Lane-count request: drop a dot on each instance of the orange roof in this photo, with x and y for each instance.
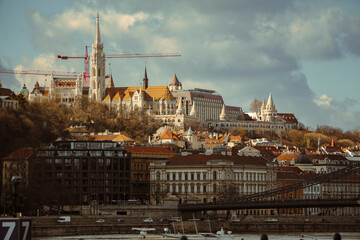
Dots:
(147, 149)
(235, 138)
(168, 134)
(287, 157)
(21, 153)
(150, 93)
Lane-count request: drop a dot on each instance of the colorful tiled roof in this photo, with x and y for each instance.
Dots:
(289, 117)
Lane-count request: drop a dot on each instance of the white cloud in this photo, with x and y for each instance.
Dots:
(44, 62)
(324, 100)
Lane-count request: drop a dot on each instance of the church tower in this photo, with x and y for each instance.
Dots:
(97, 66)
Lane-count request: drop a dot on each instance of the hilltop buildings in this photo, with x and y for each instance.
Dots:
(171, 104)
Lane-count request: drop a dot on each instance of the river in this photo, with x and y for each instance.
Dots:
(271, 236)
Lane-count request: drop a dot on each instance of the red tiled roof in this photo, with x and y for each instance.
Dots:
(289, 117)
(202, 159)
(21, 153)
(147, 149)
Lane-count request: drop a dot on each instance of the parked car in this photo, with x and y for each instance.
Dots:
(236, 220)
(64, 219)
(148, 220)
(271, 220)
(100, 221)
(120, 220)
(307, 220)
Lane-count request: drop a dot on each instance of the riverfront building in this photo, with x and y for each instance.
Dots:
(87, 170)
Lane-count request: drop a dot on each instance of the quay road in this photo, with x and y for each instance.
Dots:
(257, 204)
(84, 225)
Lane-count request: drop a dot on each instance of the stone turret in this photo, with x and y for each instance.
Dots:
(193, 112)
(175, 84)
(223, 115)
(180, 109)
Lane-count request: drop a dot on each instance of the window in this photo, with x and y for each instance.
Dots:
(158, 176)
(192, 177)
(214, 175)
(204, 176)
(180, 176)
(214, 188)
(186, 176)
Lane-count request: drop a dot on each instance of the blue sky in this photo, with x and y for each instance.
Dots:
(306, 53)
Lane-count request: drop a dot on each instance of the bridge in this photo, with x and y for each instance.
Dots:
(272, 198)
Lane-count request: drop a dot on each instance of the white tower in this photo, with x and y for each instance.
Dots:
(223, 113)
(97, 66)
(193, 110)
(270, 112)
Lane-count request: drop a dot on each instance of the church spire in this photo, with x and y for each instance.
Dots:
(97, 34)
(145, 80)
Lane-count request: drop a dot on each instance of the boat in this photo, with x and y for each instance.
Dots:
(143, 234)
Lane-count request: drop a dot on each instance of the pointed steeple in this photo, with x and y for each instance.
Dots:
(180, 110)
(193, 110)
(270, 103)
(111, 82)
(145, 80)
(263, 105)
(223, 113)
(97, 34)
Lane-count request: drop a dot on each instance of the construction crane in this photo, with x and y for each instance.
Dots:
(125, 55)
(42, 72)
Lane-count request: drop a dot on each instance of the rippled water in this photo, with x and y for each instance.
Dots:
(271, 236)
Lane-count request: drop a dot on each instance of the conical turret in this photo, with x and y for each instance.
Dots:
(175, 84)
(180, 109)
(270, 103)
(223, 113)
(193, 110)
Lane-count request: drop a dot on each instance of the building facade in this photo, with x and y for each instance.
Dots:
(90, 170)
(203, 178)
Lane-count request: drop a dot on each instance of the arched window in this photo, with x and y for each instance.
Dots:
(214, 188)
(214, 175)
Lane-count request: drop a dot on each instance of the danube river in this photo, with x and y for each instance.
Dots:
(271, 236)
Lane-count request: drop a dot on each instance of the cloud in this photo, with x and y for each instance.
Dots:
(43, 62)
(324, 100)
(241, 49)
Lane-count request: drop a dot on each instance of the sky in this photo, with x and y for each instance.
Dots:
(306, 53)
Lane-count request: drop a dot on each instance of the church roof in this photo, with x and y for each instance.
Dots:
(289, 117)
(150, 93)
